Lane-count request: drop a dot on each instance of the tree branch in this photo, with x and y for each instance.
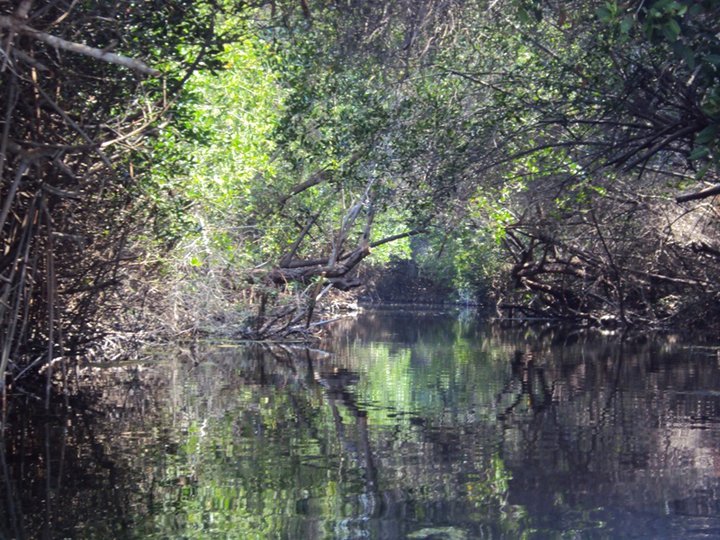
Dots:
(702, 194)
(316, 178)
(398, 236)
(15, 25)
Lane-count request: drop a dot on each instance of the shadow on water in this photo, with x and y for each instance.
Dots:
(413, 425)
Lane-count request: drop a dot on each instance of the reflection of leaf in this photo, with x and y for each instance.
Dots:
(444, 533)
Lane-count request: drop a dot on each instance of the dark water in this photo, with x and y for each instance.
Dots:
(415, 426)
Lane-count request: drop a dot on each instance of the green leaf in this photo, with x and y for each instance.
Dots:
(603, 13)
(703, 171)
(660, 5)
(626, 24)
(523, 15)
(706, 135)
(685, 52)
(699, 152)
(671, 30)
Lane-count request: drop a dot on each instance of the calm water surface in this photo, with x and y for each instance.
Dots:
(408, 426)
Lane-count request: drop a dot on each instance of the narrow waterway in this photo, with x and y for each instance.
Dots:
(404, 425)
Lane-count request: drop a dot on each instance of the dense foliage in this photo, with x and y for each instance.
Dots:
(570, 134)
(80, 90)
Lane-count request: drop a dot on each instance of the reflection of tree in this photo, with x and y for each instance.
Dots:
(337, 390)
(596, 426)
(528, 385)
(56, 471)
(473, 431)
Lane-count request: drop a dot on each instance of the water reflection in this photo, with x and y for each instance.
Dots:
(413, 426)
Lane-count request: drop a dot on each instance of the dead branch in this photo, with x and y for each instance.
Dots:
(697, 195)
(15, 25)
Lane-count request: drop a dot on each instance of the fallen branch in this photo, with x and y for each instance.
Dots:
(696, 195)
(315, 324)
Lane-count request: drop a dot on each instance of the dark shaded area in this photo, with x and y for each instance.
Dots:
(402, 281)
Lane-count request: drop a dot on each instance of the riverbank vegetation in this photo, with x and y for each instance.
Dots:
(170, 168)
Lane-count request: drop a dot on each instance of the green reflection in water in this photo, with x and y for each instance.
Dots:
(414, 426)
(293, 446)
